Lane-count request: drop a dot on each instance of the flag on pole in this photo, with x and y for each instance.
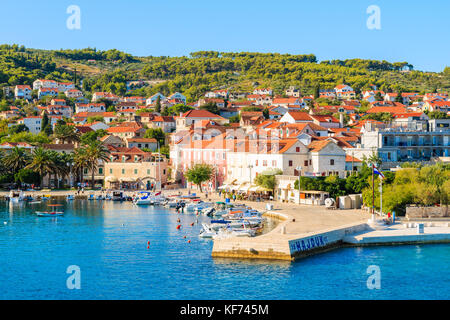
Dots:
(378, 172)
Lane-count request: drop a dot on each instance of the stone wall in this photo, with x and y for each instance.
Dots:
(426, 212)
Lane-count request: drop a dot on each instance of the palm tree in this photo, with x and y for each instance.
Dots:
(17, 159)
(42, 163)
(96, 151)
(66, 133)
(60, 167)
(80, 162)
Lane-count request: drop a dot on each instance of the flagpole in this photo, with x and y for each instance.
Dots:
(381, 195)
(373, 192)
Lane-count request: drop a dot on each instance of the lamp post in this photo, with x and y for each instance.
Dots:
(299, 169)
(250, 167)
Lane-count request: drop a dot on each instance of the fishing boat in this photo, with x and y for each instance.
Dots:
(100, 197)
(16, 196)
(51, 213)
(117, 196)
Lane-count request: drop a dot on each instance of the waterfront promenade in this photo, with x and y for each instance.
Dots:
(302, 230)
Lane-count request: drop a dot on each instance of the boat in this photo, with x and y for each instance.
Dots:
(70, 197)
(51, 213)
(207, 232)
(16, 196)
(91, 197)
(208, 211)
(144, 199)
(117, 196)
(197, 205)
(100, 197)
(229, 233)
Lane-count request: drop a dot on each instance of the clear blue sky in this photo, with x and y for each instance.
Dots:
(416, 31)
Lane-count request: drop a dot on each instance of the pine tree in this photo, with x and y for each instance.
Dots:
(158, 105)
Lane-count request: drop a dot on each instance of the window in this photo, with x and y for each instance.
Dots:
(148, 171)
(306, 163)
(297, 149)
(274, 163)
(256, 163)
(110, 171)
(331, 162)
(290, 163)
(100, 170)
(264, 163)
(164, 171)
(123, 171)
(310, 161)
(135, 171)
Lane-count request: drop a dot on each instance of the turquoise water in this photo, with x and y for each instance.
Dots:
(108, 241)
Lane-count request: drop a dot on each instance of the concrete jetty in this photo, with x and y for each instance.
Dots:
(282, 245)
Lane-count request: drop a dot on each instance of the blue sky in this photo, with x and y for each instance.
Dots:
(414, 31)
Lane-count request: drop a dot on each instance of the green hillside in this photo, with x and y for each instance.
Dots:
(206, 70)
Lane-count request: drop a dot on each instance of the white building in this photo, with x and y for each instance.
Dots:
(22, 92)
(90, 107)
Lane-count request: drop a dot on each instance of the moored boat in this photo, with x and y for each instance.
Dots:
(51, 213)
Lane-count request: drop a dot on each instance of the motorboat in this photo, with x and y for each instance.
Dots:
(208, 211)
(207, 232)
(91, 197)
(229, 233)
(70, 197)
(143, 199)
(16, 196)
(197, 205)
(100, 197)
(117, 196)
(51, 213)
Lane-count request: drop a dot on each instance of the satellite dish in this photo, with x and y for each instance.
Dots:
(329, 202)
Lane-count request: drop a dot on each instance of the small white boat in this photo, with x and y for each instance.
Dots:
(70, 197)
(51, 213)
(207, 232)
(229, 233)
(208, 211)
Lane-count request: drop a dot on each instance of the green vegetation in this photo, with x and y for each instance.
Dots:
(157, 134)
(206, 70)
(267, 178)
(198, 174)
(425, 186)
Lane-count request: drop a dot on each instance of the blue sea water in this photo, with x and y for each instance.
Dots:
(108, 241)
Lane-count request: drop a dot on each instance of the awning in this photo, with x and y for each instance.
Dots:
(258, 189)
(223, 186)
(234, 187)
(244, 187)
(111, 179)
(127, 179)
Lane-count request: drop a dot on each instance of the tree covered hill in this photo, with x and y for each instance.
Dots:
(206, 70)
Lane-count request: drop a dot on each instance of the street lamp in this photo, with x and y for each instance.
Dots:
(299, 169)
